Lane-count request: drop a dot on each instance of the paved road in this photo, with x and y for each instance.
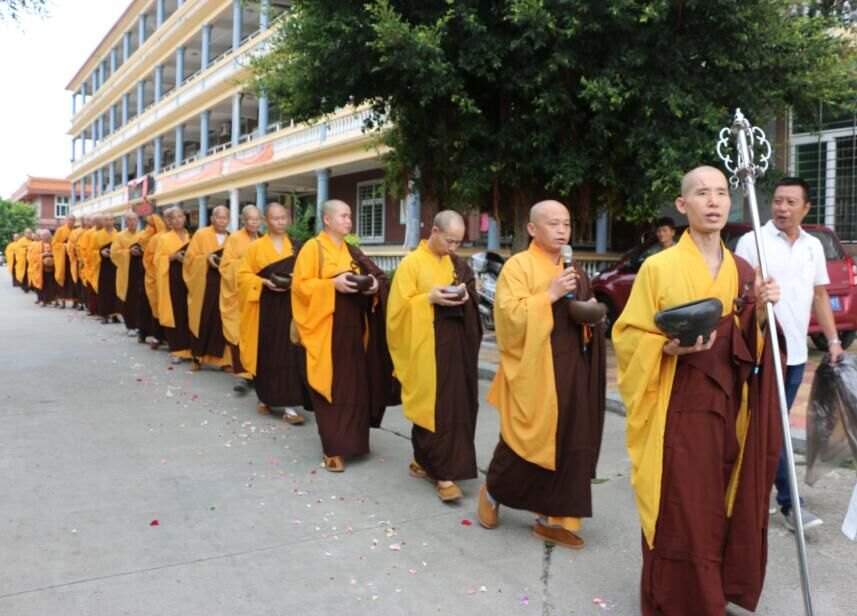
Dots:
(99, 439)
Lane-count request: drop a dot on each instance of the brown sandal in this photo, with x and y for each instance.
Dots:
(334, 464)
(263, 409)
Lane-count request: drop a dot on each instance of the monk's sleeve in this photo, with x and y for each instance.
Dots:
(313, 298)
(249, 284)
(194, 270)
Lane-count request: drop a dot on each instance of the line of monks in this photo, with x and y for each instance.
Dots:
(320, 326)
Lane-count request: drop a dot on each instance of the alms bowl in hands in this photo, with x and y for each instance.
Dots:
(689, 321)
(364, 283)
(586, 313)
(281, 281)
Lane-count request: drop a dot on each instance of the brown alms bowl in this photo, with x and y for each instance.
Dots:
(689, 321)
(364, 283)
(282, 281)
(586, 313)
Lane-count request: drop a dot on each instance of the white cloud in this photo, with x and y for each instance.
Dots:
(37, 60)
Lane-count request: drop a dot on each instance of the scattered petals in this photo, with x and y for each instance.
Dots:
(154, 523)
(466, 522)
(525, 600)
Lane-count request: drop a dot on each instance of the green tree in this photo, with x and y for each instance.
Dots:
(14, 218)
(15, 9)
(601, 103)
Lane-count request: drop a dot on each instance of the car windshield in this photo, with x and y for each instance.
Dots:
(833, 250)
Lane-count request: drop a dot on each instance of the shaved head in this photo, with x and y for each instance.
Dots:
(251, 219)
(44, 234)
(220, 218)
(550, 226)
(329, 207)
(220, 209)
(447, 233)
(336, 217)
(274, 208)
(277, 218)
(690, 178)
(445, 219)
(15, 237)
(249, 209)
(546, 208)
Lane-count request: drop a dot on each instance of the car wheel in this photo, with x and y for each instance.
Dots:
(847, 338)
(610, 317)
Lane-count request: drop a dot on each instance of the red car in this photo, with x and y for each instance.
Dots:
(613, 285)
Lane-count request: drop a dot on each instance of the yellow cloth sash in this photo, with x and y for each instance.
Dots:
(58, 248)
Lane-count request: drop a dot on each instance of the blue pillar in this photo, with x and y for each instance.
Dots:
(83, 142)
(141, 95)
(237, 24)
(179, 144)
(94, 132)
(126, 47)
(114, 57)
(94, 81)
(205, 52)
(493, 234)
(159, 149)
(204, 120)
(322, 182)
(73, 103)
(159, 82)
(262, 129)
(180, 66)
(413, 207)
(82, 94)
(100, 176)
(159, 14)
(236, 119)
(261, 195)
(126, 162)
(126, 101)
(264, 14)
(73, 197)
(102, 73)
(73, 148)
(112, 121)
(601, 232)
(179, 4)
(141, 35)
(140, 161)
(203, 212)
(101, 127)
(111, 175)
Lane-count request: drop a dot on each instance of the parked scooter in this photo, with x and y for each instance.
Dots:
(487, 266)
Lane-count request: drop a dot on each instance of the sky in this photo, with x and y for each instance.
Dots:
(38, 57)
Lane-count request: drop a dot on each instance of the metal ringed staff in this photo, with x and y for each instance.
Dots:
(745, 171)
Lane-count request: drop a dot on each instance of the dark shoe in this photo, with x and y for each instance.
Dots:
(241, 386)
(115, 319)
(809, 519)
(487, 513)
(559, 536)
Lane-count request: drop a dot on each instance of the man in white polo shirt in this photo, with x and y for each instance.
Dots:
(796, 260)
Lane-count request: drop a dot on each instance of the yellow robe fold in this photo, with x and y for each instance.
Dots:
(58, 248)
(410, 331)
(168, 243)
(234, 249)
(260, 254)
(84, 251)
(120, 254)
(523, 389)
(194, 270)
(313, 305)
(72, 249)
(10, 255)
(35, 271)
(671, 277)
(100, 240)
(155, 228)
(21, 257)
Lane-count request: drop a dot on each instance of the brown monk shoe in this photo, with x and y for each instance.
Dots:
(294, 418)
(448, 493)
(488, 514)
(415, 470)
(334, 464)
(263, 409)
(559, 536)
(154, 344)
(195, 366)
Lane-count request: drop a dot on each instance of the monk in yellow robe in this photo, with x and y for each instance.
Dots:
(40, 268)
(172, 291)
(343, 333)
(85, 251)
(434, 337)
(76, 261)
(104, 271)
(10, 257)
(21, 259)
(230, 311)
(150, 328)
(549, 389)
(127, 257)
(703, 432)
(201, 273)
(267, 351)
(62, 263)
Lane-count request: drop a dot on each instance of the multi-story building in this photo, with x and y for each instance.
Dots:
(163, 114)
(49, 197)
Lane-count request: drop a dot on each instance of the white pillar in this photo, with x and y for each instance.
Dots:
(830, 185)
(234, 206)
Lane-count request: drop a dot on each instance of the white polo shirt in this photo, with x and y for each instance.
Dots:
(798, 268)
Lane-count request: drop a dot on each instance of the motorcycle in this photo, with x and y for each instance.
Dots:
(486, 266)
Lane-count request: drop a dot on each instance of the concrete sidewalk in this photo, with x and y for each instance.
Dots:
(100, 439)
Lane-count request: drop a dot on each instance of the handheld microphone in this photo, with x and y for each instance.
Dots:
(566, 253)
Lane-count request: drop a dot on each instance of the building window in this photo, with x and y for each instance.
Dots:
(370, 211)
(61, 207)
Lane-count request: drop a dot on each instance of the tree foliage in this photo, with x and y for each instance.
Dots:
(14, 218)
(601, 103)
(15, 9)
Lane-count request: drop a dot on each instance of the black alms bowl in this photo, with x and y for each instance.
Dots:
(586, 313)
(281, 281)
(689, 321)
(364, 283)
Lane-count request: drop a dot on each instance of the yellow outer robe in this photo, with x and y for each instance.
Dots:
(194, 270)
(35, 270)
(10, 254)
(260, 254)
(168, 243)
(120, 254)
(523, 389)
(58, 248)
(84, 251)
(100, 240)
(671, 277)
(72, 249)
(314, 303)
(150, 280)
(234, 249)
(410, 331)
(21, 257)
